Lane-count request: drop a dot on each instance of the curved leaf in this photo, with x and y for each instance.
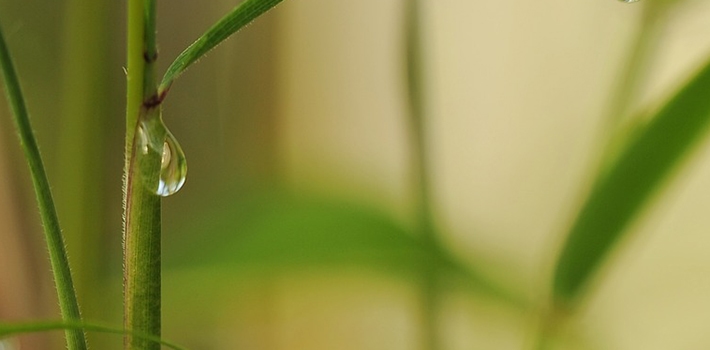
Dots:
(11, 329)
(625, 188)
(228, 25)
(279, 233)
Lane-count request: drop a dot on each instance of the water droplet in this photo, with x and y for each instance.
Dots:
(629, 1)
(173, 167)
(154, 141)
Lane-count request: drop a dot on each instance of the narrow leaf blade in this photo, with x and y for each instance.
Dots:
(13, 329)
(68, 304)
(629, 183)
(228, 25)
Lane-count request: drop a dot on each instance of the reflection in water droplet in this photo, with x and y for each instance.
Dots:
(142, 140)
(629, 1)
(153, 136)
(173, 167)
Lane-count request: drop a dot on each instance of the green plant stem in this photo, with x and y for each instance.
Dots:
(424, 222)
(134, 71)
(68, 304)
(142, 277)
(150, 50)
(79, 191)
(617, 122)
(635, 66)
(545, 330)
(142, 228)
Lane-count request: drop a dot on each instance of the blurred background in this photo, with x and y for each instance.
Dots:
(300, 225)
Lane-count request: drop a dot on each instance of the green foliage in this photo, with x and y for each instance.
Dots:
(142, 231)
(53, 235)
(626, 187)
(228, 25)
(8, 330)
(278, 233)
(275, 233)
(142, 224)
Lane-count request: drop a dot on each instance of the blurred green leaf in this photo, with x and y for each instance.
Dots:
(626, 187)
(279, 233)
(12, 329)
(228, 25)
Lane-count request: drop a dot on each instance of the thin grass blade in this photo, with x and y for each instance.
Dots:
(68, 304)
(228, 25)
(13, 329)
(618, 196)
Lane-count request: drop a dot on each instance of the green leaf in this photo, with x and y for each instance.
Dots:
(277, 233)
(12, 329)
(280, 231)
(68, 304)
(228, 25)
(623, 190)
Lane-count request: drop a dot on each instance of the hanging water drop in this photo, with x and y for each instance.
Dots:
(173, 167)
(154, 142)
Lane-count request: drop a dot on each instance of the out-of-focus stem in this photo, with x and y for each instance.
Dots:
(617, 121)
(422, 210)
(81, 143)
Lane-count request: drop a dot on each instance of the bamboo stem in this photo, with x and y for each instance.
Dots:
(142, 208)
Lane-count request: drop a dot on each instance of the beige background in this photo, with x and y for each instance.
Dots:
(517, 90)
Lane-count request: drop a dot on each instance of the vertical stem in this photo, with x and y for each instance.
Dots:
(142, 241)
(79, 188)
(134, 70)
(635, 67)
(68, 304)
(631, 79)
(150, 50)
(422, 211)
(544, 332)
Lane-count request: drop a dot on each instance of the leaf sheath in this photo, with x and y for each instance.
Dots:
(142, 208)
